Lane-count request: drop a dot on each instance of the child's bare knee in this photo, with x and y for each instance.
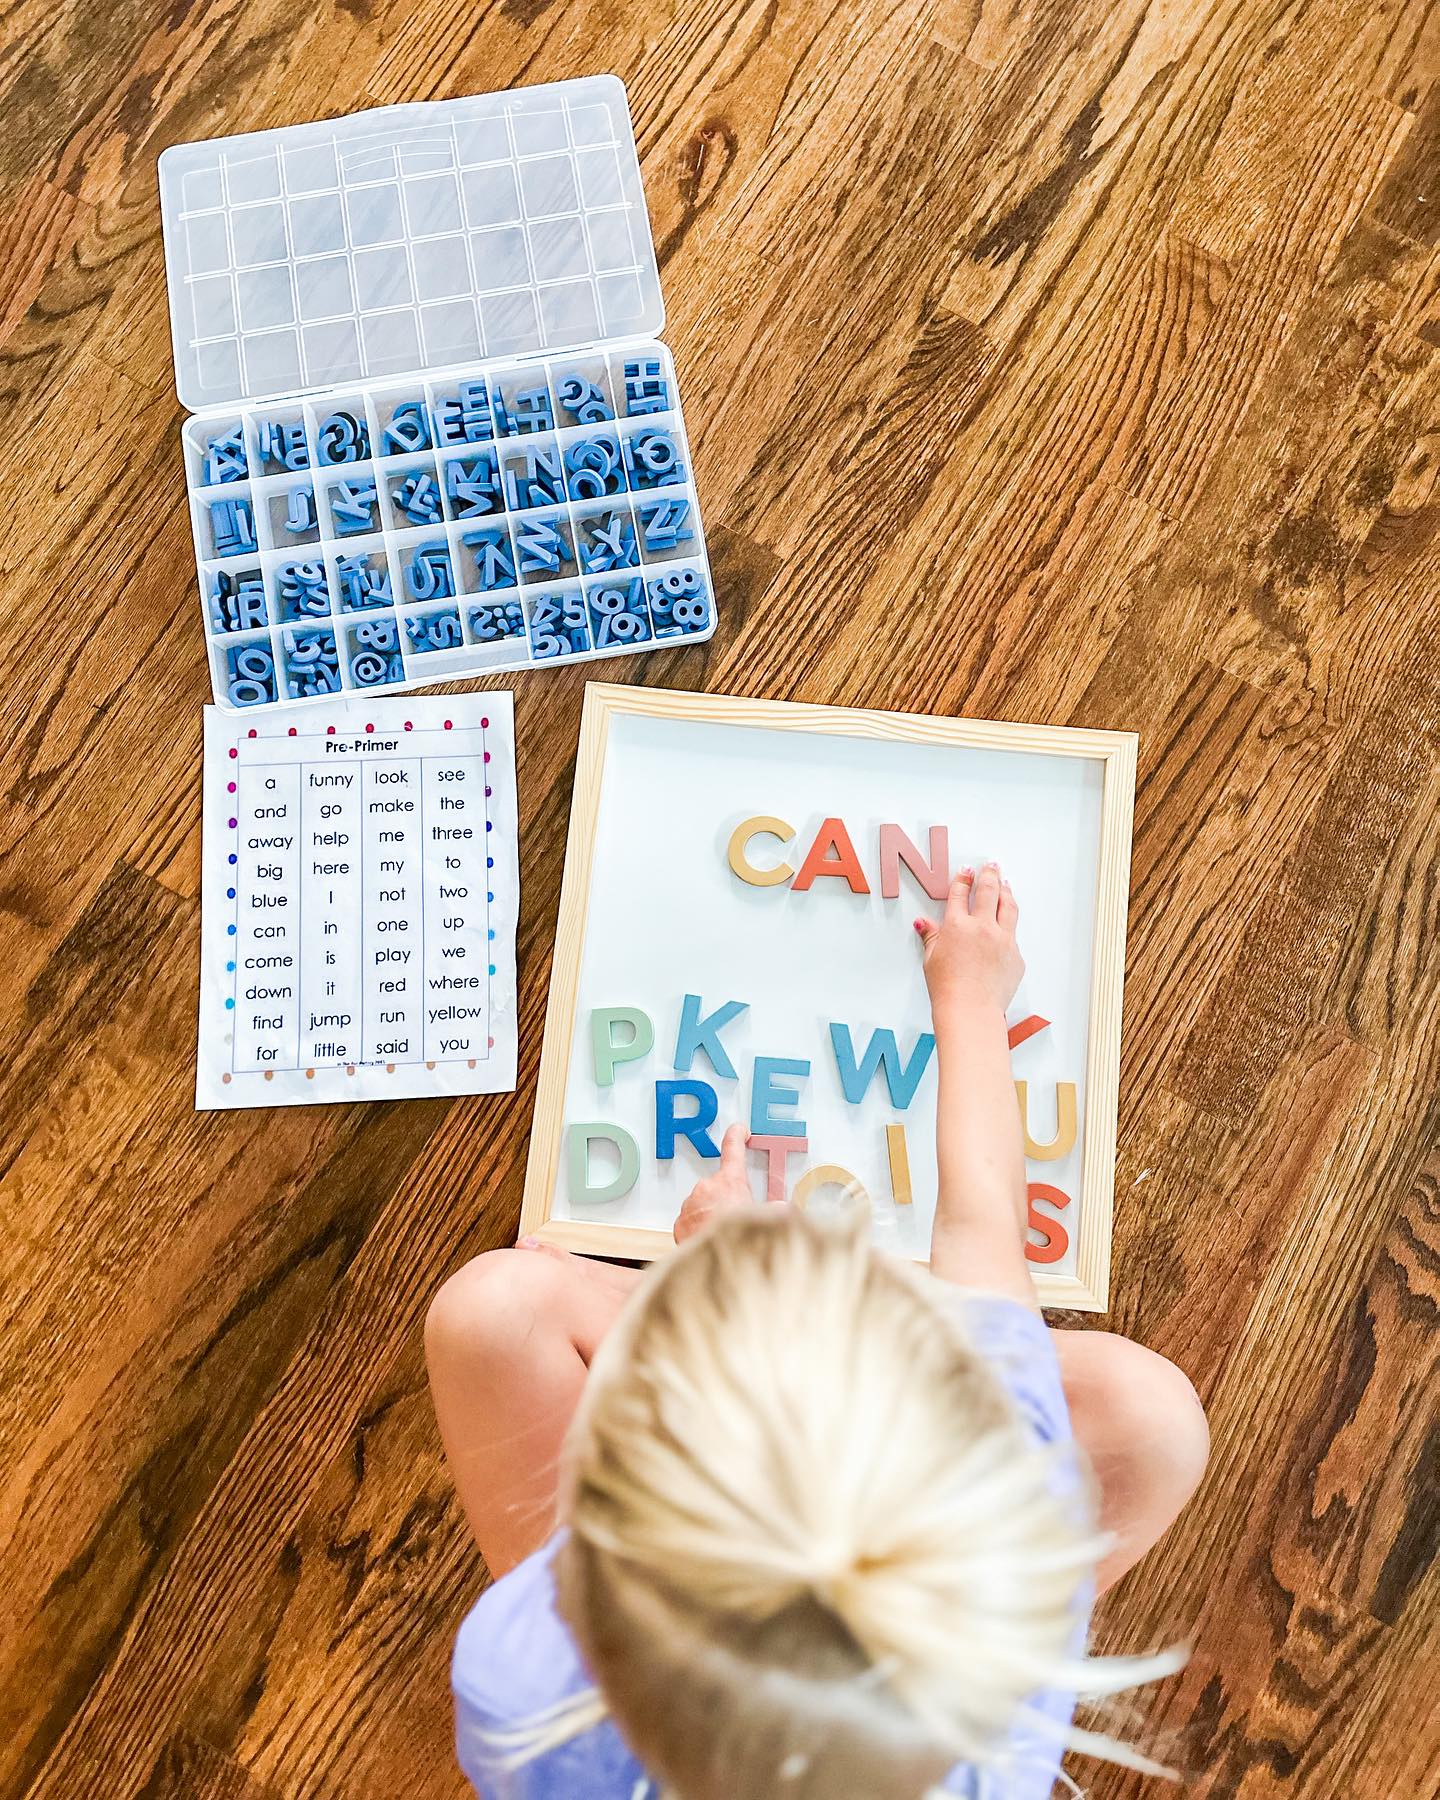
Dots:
(1192, 1428)
(1168, 1413)
(1119, 1390)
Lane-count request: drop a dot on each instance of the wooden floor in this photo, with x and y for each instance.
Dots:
(1061, 360)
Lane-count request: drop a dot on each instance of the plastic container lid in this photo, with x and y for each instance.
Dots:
(406, 239)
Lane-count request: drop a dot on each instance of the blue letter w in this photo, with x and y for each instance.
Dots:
(901, 1078)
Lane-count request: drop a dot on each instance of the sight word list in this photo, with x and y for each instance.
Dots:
(360, 891)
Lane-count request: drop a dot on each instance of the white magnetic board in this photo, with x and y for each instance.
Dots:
(664, 915)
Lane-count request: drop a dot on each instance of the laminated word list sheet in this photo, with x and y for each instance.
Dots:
(359, 896)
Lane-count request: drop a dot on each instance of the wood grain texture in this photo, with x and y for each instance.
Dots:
(1064, 362)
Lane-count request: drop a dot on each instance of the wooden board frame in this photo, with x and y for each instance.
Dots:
(1088, 1288)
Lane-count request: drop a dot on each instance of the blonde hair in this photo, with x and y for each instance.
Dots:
(812, 1551)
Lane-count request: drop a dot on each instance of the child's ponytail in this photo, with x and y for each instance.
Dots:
(812, 1552)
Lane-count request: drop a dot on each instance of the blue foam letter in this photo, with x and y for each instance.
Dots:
(668, 1127)
(901, 1078)
(696, 1033)
(766, 1095)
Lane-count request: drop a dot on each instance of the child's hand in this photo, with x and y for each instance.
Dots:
(971, 958)
(726, 1189)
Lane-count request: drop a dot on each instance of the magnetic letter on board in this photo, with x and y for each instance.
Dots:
(829, 1175)
(739, 842)
(1065, 1122)
(766, 1094)
(901, 1078)
(899, 1152)
(832, 835)
(668, 1127)
(696, 1033)
(1057, 1239)
(896, 848)
(607, 1053)
(578, 1139)
(776, 1150)
(1017, 1034)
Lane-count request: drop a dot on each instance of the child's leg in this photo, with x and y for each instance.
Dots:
(508, 1340)
(510, 1337)
(1143, 1428)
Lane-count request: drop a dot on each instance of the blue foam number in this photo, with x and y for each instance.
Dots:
(312, 661)
(679, 603)
(618, 615)
(558, 625)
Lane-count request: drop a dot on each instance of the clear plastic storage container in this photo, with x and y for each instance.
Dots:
(432, 430)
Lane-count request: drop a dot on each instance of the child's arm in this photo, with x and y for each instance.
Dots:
(508, 1342)
(972, 968)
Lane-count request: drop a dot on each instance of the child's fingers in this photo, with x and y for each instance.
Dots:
(985, 900)
(925, 930)
(1009, 909)
(732, 1151)
(957, 901)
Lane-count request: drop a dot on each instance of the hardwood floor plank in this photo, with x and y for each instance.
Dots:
(1065, 362)
(1281, 1403)
(190, 1769)
(1405, 201)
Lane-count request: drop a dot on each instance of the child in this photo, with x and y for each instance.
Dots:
(819, 1530)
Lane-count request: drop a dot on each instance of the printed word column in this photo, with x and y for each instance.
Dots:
(331, 861)
(457, 953)
(393, 938)
(265, 832)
